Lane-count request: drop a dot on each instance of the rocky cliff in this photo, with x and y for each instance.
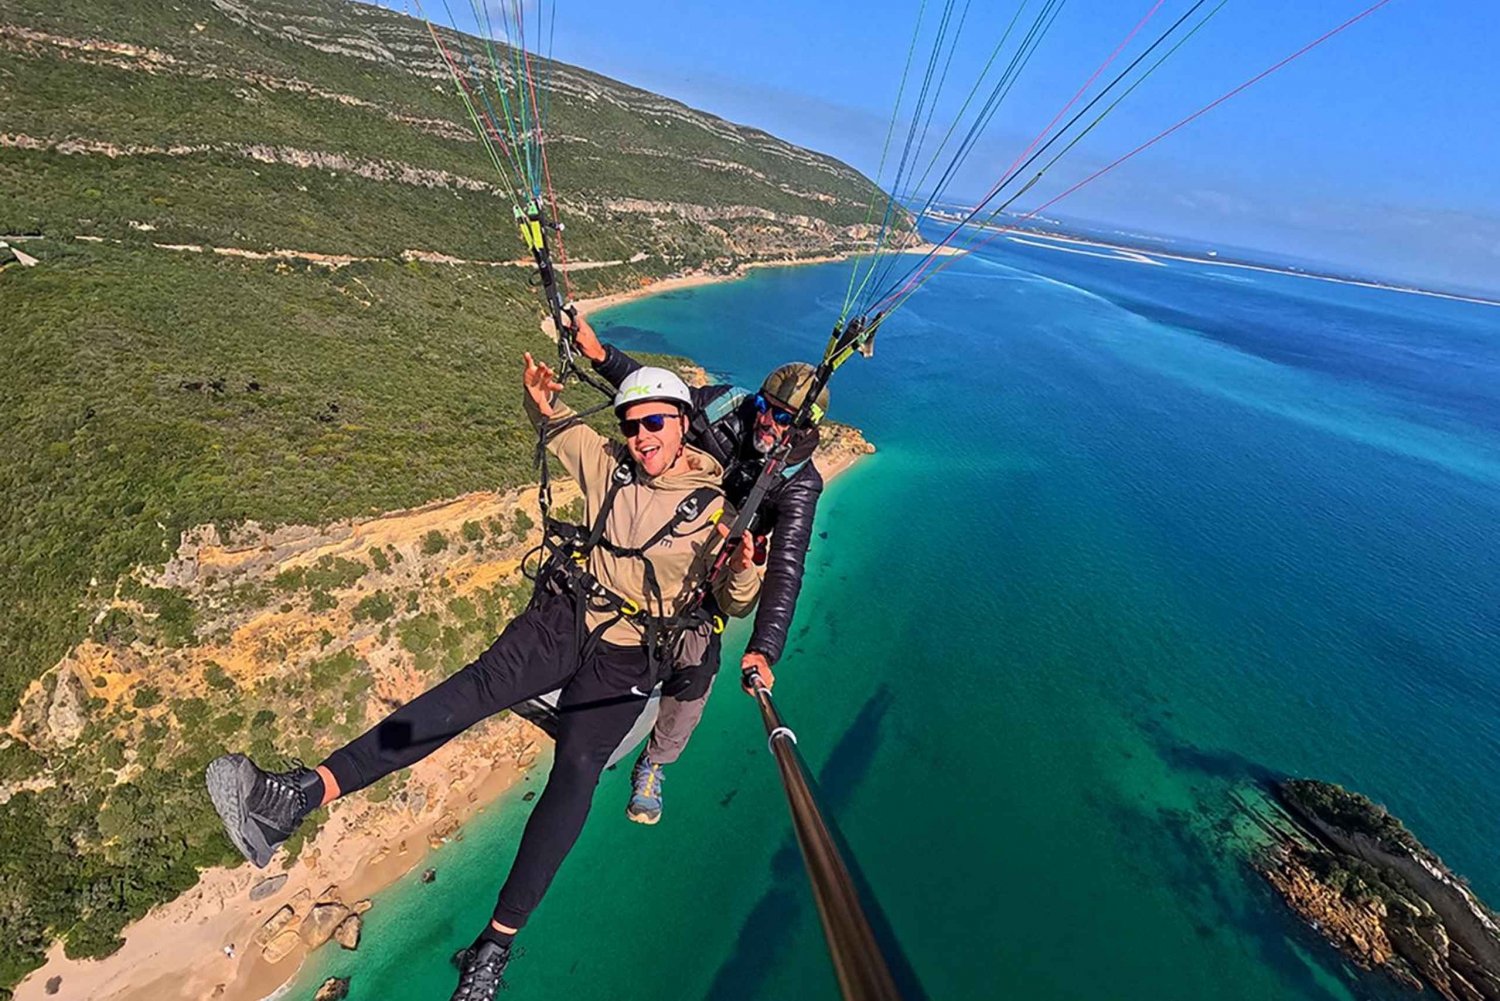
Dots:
(1365, 883)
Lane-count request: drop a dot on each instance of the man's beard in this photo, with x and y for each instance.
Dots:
(763, 443)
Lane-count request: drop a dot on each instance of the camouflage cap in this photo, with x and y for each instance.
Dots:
(788, 385)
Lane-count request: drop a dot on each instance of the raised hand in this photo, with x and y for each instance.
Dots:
(541, 385)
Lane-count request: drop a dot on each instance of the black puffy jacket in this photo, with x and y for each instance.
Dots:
(789, 506)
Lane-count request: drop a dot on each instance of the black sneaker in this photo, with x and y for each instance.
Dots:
(479, 970)
(260, 809)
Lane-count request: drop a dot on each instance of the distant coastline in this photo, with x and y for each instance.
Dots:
(694, 279)
(1137, 252)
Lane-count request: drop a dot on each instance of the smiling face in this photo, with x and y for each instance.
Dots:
(653, 451)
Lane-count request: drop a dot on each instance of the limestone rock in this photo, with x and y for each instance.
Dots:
(333, 989)
(275, 924)
(1364, 882)
(330, 895)
(282, 946)
(267, 887)
(66, 715)
(319, 925)
(360, 906)
(54, 984)
(300, 900)
(347, 933)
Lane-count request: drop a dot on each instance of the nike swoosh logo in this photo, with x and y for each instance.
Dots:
(636, 691)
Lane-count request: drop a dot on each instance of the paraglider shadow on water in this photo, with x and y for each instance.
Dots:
(1214, 762)
(769, 928)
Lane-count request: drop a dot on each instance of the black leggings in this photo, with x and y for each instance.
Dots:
(537, 652)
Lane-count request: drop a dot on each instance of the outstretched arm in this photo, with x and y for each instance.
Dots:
(583, 451)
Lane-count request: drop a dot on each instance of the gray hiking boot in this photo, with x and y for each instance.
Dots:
(479, 971)
(260, 809)
(645, 791)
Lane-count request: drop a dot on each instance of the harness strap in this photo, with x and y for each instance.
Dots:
(570, 550)
(654, 627)
(624, 475)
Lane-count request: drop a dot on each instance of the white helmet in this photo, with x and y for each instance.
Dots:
(647, 384)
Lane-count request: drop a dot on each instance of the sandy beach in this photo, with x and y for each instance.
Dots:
(177, 951)
(693, 280)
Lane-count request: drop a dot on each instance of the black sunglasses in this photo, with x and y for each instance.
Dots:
(780, 416)
(630, 427)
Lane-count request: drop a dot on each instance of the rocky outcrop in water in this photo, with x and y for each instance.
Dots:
(1384, 900)
(333, 989)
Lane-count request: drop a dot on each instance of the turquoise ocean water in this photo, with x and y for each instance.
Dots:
(1136, 535)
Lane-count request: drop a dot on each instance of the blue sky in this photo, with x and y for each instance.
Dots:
(1377, 151)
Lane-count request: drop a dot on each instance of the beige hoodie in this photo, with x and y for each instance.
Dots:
(640, 509)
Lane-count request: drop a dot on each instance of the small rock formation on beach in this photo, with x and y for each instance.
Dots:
(282, 945)
(267, 887)
(319, 925)
(1377, 894)
(347, 933)
(303, 923)
(275, 924)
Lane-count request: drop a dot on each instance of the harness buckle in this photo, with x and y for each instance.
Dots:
(629, 608)
(718, 624)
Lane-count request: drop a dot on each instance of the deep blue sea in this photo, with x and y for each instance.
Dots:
(1136, 535)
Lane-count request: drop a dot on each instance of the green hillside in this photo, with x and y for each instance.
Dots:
(151, 382)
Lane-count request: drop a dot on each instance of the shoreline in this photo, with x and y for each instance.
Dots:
(375, 874)
(1139, 254)
(696, 279)
(175, 952)
(1264, 268)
